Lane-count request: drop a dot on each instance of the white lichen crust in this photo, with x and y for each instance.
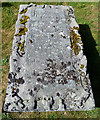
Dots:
(48, 71)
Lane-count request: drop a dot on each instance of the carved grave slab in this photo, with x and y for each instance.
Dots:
(48, 70)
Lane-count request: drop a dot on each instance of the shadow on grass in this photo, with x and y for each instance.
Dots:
(93, 61)
(6, 4)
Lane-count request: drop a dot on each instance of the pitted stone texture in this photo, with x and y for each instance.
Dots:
(45, 74)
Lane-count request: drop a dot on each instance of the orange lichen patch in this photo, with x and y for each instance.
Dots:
(21, 31)
(24, 19)
(23, 11)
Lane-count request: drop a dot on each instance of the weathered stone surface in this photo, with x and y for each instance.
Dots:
(47, 65)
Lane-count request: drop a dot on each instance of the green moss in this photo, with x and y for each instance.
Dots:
(24, 20)
(23, 11)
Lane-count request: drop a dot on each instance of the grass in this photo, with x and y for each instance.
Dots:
(86, 15)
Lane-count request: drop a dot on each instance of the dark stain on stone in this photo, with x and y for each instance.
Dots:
(48, 64)
(30, 41)
(64, 104)
(54, 71)
(26, 108)
(17, 90)
(14, 60)
(75, 78)
(45, 82)
(28, 89)
(7, 105)
(69, 63)
(43, 6)
(20, 54)
(31, 93)
(63, 81)
(63, 36)
(29, 77)
(52, 35)
(14, 94)
(20, 80)
(52, 81)
(35, 88)
(10, 76)
(52, 103)
(71, 11)
(6, 93)
(35, 74)
(57, 19)
(50, 60)
(18, 69)
(70, 72)
(44, 98)
(14, 109)
(57, 94)
(39, 79)
(63, 64)
(35, 104)
(19, 99)
(48, 98)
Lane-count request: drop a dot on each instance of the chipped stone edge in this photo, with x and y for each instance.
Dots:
(83, 60)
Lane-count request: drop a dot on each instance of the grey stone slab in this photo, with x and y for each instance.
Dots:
(47, 65)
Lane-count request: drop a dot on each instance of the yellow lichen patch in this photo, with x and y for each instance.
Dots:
(21, 31)
(23, 11)
(76, 52)
(81, 43)
(27, 100)
(82, 74)
(37, 99)
(24, 19)
(82, 66)
(77, 28)
(13, 88)
(86, 83)
(67, 9)
(75, 38)
(79, 70)
(21, 46)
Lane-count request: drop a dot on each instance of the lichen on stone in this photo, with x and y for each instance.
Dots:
(22, 31)
(24, 19)
(21, 46)
(82, 66)
(74, 39)
(77, 28)
(23, 11)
